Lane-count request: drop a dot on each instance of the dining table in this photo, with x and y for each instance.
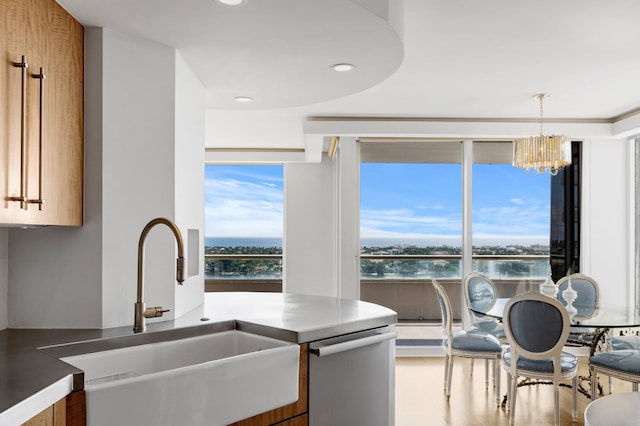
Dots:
(591, 330)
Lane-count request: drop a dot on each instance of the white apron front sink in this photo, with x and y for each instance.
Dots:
(215, 379)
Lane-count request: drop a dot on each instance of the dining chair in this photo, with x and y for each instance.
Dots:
(625, 342)
(587, 296)
(622, 364)
(537, 327)
(586, 304)
(480, 293)
(473, 343)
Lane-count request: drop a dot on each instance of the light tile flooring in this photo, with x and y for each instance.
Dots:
(420, 399)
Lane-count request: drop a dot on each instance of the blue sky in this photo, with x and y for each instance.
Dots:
(243, 201)
(425, 201)
(397, 201)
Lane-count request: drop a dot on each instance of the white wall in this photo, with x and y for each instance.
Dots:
(607, 209)
(134, 142)
(138, 112)
(189, 177)
(309, 244)
(348, 218)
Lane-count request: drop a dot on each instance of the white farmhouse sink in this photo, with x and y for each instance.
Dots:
(215, 379)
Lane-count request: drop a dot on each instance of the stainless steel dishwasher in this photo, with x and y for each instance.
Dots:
(352, 379)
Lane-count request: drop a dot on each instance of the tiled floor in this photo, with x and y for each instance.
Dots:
(420, 399)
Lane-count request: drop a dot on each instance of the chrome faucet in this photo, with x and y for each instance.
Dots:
(141, 312)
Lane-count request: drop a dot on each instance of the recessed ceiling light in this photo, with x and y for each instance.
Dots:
(243, 99)
(231, 2)
(342, 67)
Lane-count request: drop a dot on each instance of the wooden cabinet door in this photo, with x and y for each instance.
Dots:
(13, 41)
(53, 45)
(54, 415)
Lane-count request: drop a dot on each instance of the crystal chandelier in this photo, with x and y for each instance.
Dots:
(542, 153)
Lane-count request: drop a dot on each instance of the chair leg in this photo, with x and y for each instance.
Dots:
(446, 373)
(507, 406)
(594, 383)
(512, 399)
(574, 390)
(496, 376)
(610, 385)
(634, 387)
(486, 373)
(556, 397)
(471, 366)
(449, 370)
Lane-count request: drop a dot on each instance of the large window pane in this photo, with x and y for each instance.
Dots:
(243, 222)
(510, 216)
(410, 210)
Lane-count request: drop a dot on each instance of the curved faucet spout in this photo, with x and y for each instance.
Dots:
(140, 311)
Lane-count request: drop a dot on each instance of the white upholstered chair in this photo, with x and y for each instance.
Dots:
(537, 327)
(472, 344)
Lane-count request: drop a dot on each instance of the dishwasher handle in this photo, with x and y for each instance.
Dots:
(352, 344)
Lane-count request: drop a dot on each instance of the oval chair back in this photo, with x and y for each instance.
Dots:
(537, 328)
(587, 296)
(479, 292)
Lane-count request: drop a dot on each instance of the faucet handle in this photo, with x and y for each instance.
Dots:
(180, 270)
(154, 312)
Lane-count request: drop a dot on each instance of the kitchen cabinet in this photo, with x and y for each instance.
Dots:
(69, 411)
(41, 114)
(54, 415)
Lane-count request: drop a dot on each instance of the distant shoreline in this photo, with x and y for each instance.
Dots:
(384, 242)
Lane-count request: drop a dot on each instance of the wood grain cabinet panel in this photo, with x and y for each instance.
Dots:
(36, 112)
(54, 415)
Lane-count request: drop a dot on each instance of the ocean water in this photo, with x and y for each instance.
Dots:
(242, 242)
(380, 242)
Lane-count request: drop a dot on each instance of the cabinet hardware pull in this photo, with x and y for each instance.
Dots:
(23, 146)
(321, 350)
(39, 201)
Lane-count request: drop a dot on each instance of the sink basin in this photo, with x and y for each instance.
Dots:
(215, 379)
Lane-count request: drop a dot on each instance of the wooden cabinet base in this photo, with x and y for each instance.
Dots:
(54, 415)
(76, 409)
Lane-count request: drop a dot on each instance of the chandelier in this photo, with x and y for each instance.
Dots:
(542, 153)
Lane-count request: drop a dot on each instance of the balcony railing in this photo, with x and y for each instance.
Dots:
(387, 267)
(405, 288)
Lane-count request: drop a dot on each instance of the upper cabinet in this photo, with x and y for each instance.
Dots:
(41, 114)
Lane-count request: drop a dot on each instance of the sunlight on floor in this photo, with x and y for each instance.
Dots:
(420, 398)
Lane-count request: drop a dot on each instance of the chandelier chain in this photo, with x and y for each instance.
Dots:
(541, 97)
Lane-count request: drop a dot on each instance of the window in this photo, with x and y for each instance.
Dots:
(510, 216)
(410, 210)
(243, 227)
(412, 221)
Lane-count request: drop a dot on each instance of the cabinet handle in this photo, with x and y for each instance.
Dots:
(23, 147)
(321, 350)
(39, 201)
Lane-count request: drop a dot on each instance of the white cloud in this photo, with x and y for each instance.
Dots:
(237, 208)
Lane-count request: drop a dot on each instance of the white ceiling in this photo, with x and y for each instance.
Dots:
(448, 58)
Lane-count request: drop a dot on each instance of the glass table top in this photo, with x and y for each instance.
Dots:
(604, 316)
